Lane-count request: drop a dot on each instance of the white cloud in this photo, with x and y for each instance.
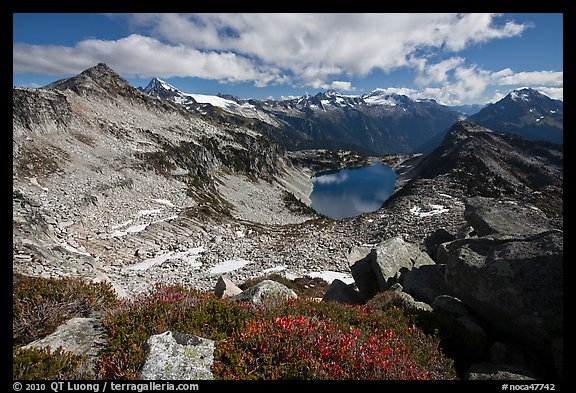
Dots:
(477, 28)
(302, 49)
(436, 73)
(470, 84)
(137, 55)
(341, 85)
(549, 78)
(286, 98)
(497, 97)
(556, 93)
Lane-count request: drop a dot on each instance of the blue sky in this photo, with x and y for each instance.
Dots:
(453, 58)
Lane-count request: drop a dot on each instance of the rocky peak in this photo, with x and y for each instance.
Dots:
(99, 78)
(493, 164)
(525, 112)
(158, 86)
(526, 94)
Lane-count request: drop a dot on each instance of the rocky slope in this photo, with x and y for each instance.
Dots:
(105, 177)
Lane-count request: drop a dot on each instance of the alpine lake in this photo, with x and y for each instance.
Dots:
(350, 192)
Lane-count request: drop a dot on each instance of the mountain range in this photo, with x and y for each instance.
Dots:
(376, 123)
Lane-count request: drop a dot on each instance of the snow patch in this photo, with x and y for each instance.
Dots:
(274, 269)
(118, 226)
(138, 228)
(132, 229)
(189, 257)
(164, 202)
(34, 181)
(147, 212)
(435, 209)
(380, 100)
(69, 248)
(230, 265)
(330, 276)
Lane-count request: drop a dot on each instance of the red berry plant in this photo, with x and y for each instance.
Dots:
(328, 341)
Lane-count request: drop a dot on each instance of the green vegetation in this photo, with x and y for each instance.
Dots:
(297, 339)
(295, 205)
(39, 162)
(303, 286)
(33, 364)
(41, 305)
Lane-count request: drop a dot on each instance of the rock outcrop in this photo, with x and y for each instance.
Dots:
(80, 336)
(266, 292)
(395, 257)
(176, 356)
(225, 288)
(376, 269)
(340, 292)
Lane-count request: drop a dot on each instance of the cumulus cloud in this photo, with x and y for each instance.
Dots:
(341, 85)
(556, 93)
(141, 56)
(435, 73)
(302, 49)
(319, 51)
(451, 82)
(549, 78)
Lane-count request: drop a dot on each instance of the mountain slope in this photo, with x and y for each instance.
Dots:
(525, 112)
(106, 177)
(202, 102)
(482, 162)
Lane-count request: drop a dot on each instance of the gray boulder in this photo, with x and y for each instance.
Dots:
(360, 261)
(80, 336)
(515, 285)
(176, 356)
(426, 283)
(394, 257)
(266, 292)
(489, 371)
(489, 216)
(225, 288)
(439, 236)
(410, 304)
(340, 292)
(460, 329)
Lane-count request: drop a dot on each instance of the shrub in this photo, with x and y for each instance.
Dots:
(330, 341)
(34, 364)
(297, 339)
(41, 305)
(302, 286)
(167, 308)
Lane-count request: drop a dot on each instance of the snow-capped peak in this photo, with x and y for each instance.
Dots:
(157, 85)
(524, 94)
(381, 97)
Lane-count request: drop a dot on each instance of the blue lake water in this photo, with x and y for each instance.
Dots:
(352, 191)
